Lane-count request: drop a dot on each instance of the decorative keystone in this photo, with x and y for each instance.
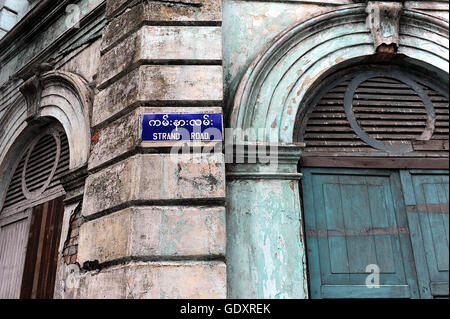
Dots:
(32, 90)
(384, 22)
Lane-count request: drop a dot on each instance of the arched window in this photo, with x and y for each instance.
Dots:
(31, 217)
(375, 186)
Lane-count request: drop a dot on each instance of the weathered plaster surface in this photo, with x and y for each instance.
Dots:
(154, 177)
(83, 62)
(249, 26)
(159, 84)
(274, 85)
(147, 232)
(156, 280)
(266, 258)
(265, 246)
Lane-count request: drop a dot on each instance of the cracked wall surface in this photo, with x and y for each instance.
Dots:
(139, 223)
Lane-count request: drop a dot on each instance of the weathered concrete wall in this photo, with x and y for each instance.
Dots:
(265, 247)
(154, 223)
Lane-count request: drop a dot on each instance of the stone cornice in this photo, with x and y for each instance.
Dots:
(280, 151)
(273, 161)
(37, 17)
(41, 18)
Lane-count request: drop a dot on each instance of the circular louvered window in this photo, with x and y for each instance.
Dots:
(37, 175)
(368, 98)
(376, 110)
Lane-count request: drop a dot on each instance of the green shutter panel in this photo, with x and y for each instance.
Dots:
(355, 218)
(426, 197)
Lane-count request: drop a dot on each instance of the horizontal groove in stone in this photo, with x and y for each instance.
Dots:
(183, 260)
(189, 202)
(162, 62)
(160, 85)
(116, 160)
(116, 42)
(144, 150)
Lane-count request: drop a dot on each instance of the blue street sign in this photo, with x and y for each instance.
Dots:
(182, 127)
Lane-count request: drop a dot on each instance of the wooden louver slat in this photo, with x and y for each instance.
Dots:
(38, 169)
(386, 109)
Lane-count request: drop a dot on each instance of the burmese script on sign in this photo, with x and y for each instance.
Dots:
(182, 127)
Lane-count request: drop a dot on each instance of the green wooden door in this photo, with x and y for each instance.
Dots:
(358, 218)
(426, 197)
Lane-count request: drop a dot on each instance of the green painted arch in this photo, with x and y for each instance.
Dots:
(274, 86)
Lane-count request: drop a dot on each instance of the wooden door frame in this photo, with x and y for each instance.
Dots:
(375, 162)
(39, 273)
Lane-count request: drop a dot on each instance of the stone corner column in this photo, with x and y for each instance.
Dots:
(265, 247)
(153, 222)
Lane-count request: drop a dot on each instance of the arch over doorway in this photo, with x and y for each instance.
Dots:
(274, 86)
(270, 96)
(375, 183)
(31, 216)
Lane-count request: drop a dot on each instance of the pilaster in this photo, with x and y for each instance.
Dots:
(265, 245)
(154, 221)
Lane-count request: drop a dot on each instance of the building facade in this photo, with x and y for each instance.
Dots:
(329, 178)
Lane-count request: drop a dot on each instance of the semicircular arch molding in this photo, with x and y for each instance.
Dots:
(274, 86)
(58, 95)
(67, 98)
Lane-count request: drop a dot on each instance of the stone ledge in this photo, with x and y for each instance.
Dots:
(156, 280)
(153, 12)
(151, 177)
(154, 231)
(161, 45)
(160, 84)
